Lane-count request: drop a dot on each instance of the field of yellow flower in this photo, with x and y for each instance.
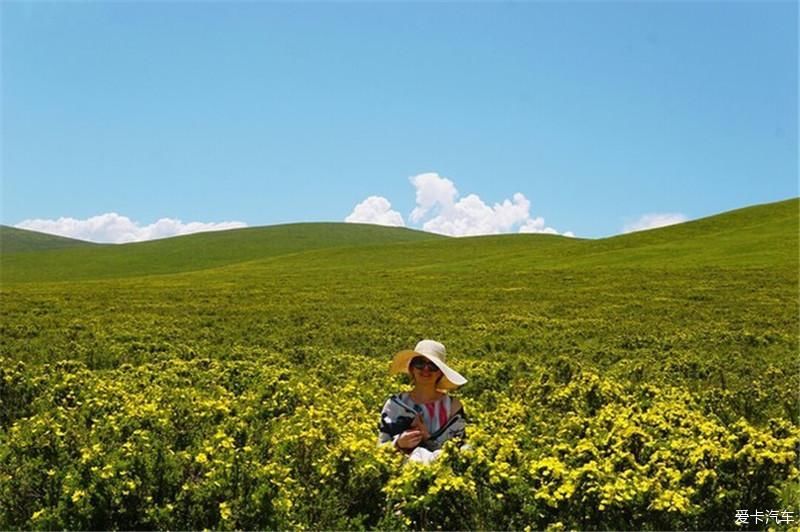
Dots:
(263, 444)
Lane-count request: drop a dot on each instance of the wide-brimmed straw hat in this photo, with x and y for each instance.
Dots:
(433, 351)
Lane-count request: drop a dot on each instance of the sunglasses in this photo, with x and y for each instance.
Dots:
(420, 363)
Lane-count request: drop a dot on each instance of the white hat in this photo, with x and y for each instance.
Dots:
(433, 351)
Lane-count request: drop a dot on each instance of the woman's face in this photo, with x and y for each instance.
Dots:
(424, 370)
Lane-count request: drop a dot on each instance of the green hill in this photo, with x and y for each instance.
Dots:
(13, 240)
(193, 252)
(760, 235)
(756, 236)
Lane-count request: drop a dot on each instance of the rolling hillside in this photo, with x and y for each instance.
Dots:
(194, 252)
(753, 237)
(757, 236)
(13, 240)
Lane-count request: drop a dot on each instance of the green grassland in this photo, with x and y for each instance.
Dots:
(13, 240)
(25, 262)
(644, 381)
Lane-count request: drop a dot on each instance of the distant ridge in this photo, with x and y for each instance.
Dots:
(14, 240)
(196, 251)
(752, 237)
(759, 235)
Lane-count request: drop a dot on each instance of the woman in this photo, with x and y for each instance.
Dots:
(420, 421)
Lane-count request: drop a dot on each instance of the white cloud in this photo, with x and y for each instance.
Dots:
(653, 220)
(113, 228)
(432, 191)
(536, 225)
(375, 210)
(438, 200)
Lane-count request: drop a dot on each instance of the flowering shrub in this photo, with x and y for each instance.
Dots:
(232, 444)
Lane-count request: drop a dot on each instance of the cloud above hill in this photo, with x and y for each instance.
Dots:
(654, 220)
(114, 228)
(441, 209)
(375, 210)
(432, 191)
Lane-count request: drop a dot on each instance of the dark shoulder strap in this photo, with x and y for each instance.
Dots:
(453, 419)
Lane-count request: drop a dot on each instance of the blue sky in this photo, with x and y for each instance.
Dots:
(596, 114)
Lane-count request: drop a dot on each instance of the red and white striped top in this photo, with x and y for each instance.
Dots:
(434, 414)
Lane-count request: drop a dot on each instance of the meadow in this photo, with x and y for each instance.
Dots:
(234, 380)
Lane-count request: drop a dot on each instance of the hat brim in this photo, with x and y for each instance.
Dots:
(451, 379)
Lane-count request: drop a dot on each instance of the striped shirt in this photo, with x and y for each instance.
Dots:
(400, 410)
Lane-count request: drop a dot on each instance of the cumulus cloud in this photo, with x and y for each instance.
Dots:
(536, 225)
(438, 200)
(432, 191)
(113, 228)
(653, 220)
(440, 209)
(375, 210)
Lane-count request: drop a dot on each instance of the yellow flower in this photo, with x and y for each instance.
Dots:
(224, 511)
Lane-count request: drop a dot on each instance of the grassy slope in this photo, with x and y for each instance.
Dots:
(753, 237)
(195, 252)
(758, 236)
(13, 240)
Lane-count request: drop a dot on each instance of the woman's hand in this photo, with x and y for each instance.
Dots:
(420, 426)
(412, 437)
(409, 439)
